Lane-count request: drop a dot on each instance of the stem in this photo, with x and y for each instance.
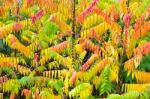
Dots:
(128, 1)
(74, 18)
(121, 64)
(73, 54)
(120, 82)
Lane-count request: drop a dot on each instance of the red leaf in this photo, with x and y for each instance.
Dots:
(12, 96)
(60, 47)
(17, 27)
(86, 65)
(37, 16)
(74, 78)
(26, 92)
(36, 56)
(126, 20)
(88, 10)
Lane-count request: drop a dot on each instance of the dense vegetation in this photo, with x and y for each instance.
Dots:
(74, 49)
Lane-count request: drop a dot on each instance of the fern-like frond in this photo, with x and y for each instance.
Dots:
(132, 63)
(142, 77)
(14, 43)
(86, 65)
(21, 69)
(87, 44)
(37, 16)
(140, 32)
(114, 26)
(7, 29)
(60, 36)
(142, 49)
(91, 21)
(60, 47)
(65, 7)
(62, 25)
(95, 32)
(114, 73)
(11, 85)
(53, 65)
(88, 10)
(55, 73)
(54, 55)
(48, 6)
(82, 90)
(96, 81)
(135, 87)
(94, 70)
(15, 60)
(123, 6)
(105, 87)
(129, 95)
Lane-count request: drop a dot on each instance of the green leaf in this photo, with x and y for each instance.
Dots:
(41, 68)
(50, 28)
(145, 64)
(105, 86)
(24, 80)
(114, 96)
(58, 86)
